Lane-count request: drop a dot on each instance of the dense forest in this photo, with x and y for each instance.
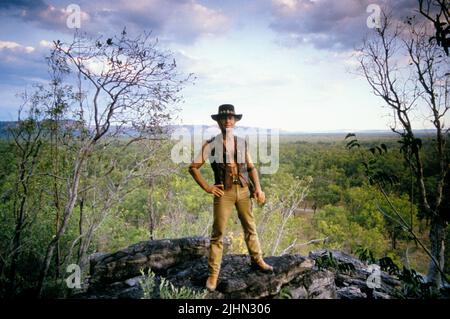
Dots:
(319, 198)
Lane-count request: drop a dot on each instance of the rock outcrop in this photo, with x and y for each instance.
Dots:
(159, 255)
(183, 262)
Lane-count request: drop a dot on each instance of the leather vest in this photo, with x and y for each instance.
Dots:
(220, 162)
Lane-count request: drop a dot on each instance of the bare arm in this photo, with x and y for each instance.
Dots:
(255, 178)
(253, 174)
(194, 170)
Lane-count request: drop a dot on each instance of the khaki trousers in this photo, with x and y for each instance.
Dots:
(239, 197)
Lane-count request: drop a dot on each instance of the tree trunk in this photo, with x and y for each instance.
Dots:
(18, 231)
(394, 239)
(80, 230)
(58, 252)
(15, 253)
(151, 212)
(68, 210)
(82, 260)
(437, 240)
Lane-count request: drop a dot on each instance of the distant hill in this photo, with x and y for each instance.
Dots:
(213, 130)
(4, 125)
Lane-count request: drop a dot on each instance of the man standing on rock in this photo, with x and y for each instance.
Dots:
(232, 166)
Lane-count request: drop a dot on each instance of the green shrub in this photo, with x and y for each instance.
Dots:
(166, 289)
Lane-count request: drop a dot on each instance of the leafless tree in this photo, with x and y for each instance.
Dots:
(286, 198)
(128, 88)
(410, 74)
(437, 11)
(27, 140)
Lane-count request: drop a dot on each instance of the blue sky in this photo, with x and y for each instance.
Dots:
(287, 64)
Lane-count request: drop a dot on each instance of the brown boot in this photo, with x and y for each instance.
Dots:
(211, 283)
(260, 264)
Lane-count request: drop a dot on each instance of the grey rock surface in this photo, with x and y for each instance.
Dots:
(183, 262)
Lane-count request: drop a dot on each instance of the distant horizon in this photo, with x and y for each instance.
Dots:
(339, 130)
(285, 131)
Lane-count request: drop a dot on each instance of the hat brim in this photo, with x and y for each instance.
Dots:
(216, 117)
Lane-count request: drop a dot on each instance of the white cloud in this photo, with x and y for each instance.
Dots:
(172, 20)
(14, 46)
(329, 24)
(286, 7)
(98, 66)
(46, 16)
(201, 19)
(181, 21)
(46, 44)
(19, 63)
